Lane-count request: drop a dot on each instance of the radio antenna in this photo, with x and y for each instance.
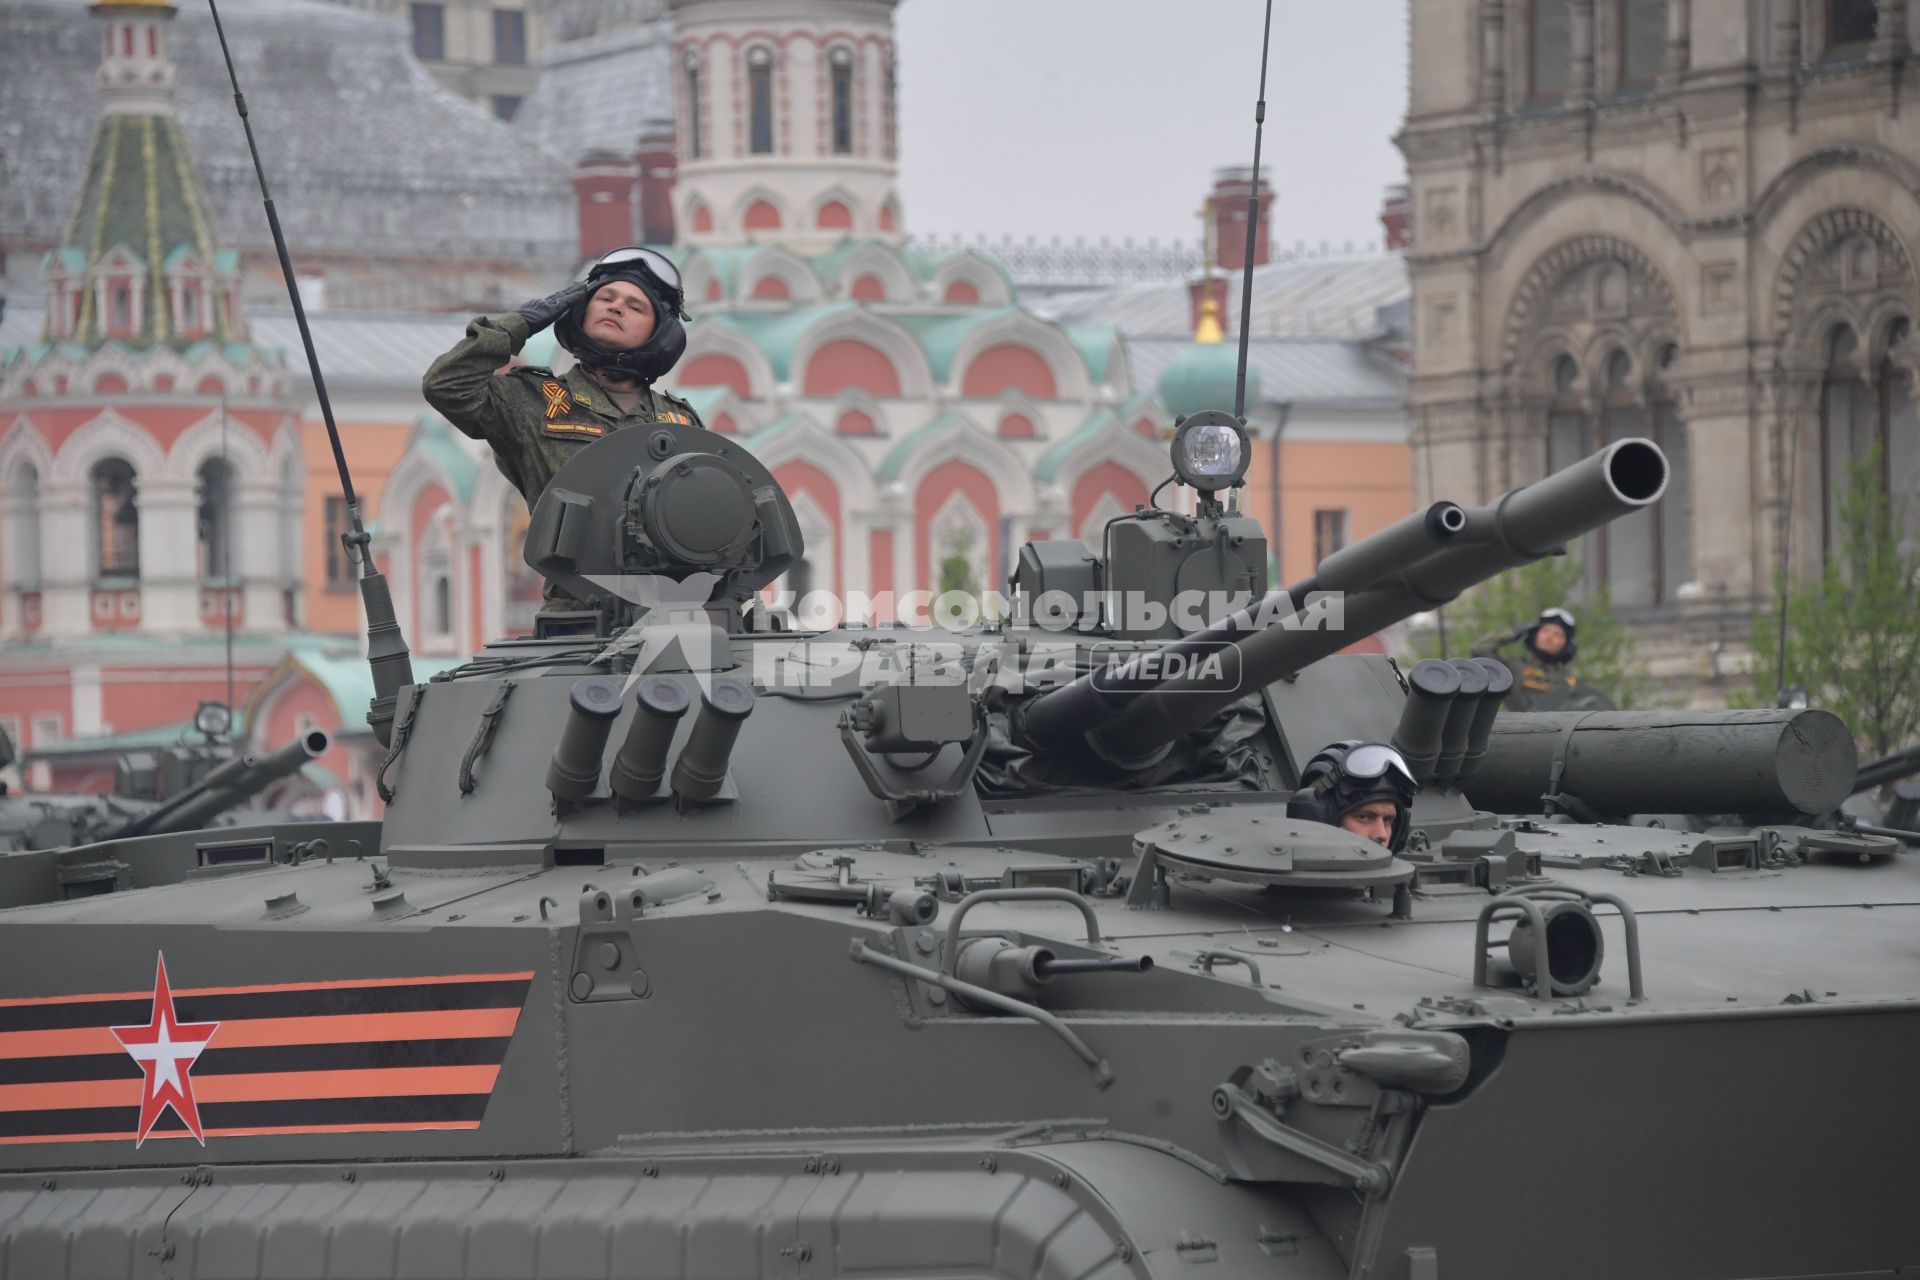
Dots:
(1253, 222)
(386, 647)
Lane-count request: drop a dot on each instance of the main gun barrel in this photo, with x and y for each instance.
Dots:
(230, 785)
(1526, 525)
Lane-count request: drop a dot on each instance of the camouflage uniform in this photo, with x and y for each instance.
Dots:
(534, 419)
(1537, 686)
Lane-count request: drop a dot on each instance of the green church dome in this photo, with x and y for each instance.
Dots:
(1202, 376)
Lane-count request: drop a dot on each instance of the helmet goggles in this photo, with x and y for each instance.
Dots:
(652, 263)
(1560, 616)
(1372, 760)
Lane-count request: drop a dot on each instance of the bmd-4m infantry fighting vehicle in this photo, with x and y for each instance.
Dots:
(690, 947)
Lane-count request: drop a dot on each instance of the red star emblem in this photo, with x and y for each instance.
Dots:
(166, 1049)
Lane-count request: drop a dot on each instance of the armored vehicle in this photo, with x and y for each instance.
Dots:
(173, 788)
(692, 945)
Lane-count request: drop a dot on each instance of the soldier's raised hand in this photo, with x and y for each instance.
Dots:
(542, 312)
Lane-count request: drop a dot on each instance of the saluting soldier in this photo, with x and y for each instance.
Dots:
(624, 326)
(1543, 680)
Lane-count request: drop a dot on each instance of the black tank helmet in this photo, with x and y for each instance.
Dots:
(656, 277)
(1562, 619)
(1348, 774)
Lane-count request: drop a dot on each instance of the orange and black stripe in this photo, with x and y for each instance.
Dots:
(363, 1056)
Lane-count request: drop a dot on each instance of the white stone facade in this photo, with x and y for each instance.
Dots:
(1689, 219)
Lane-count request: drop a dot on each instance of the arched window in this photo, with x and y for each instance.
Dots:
(1549, 49)
(760, 100)
(1569, 429)
(1566, 417)
(436, 600)
(1849, 427)
(120, 309)
(116, 519)
(1900, 418)
(889, 95)
(22, 532)
(1643, 41)
(1674, 511)
(291, 503)
(842, 63)
(213, 525)
(1851, 23)
(1629, 547)
(694, 148)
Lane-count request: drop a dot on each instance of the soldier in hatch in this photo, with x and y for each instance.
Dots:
(623, 324)
(1361, 787)
(1545, 675)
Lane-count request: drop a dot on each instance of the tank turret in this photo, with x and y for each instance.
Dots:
(227, 787)
(1418, 564)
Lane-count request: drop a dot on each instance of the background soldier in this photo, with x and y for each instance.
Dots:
(1543, 680)
(1362, 787)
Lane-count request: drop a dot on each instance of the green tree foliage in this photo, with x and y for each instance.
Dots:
(1605, 659)
(956, 568)
(1853, 636)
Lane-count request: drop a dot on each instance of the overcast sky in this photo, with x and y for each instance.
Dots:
(1108, 117)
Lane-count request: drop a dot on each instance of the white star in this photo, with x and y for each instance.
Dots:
(166, 1054)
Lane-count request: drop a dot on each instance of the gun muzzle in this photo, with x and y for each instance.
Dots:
(230, 785)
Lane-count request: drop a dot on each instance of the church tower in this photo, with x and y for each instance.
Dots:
(150, 468)
(787, 122)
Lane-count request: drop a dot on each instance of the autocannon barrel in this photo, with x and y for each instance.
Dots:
(1063, 717)
(1626, 762)
(1525, 525)
(227, 787)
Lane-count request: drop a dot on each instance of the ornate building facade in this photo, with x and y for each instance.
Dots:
(152, 475)
(1682, 219)
(910, 404)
